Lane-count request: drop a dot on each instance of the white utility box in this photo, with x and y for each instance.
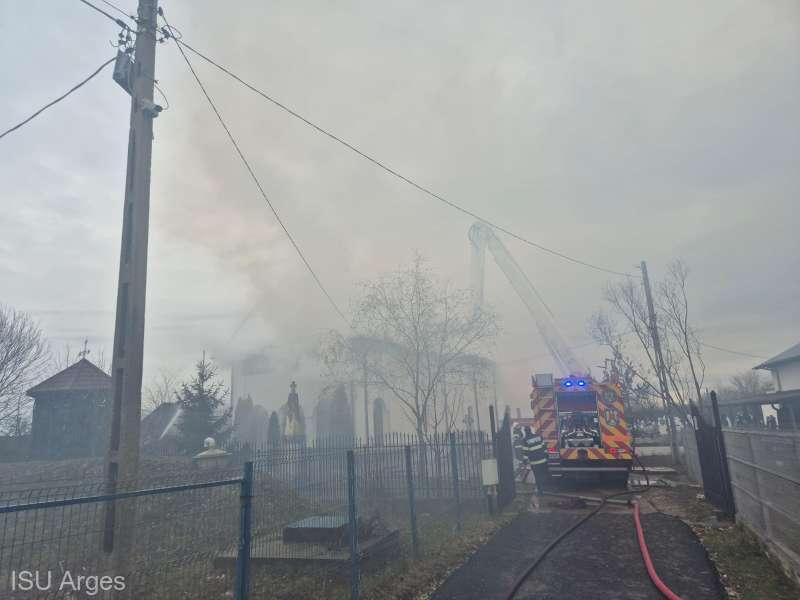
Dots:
(489, 472)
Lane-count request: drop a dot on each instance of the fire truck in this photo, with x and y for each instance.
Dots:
(583, 425)
(581, 420)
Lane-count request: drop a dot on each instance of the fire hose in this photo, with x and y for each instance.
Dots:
(648, 562)
(651, 571)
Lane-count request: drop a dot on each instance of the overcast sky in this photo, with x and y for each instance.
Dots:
(636, 131)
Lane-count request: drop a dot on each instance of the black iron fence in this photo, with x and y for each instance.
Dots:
(713, 457)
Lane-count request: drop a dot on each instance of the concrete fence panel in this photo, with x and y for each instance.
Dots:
(765, 474)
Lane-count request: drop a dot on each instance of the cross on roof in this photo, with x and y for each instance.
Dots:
(85, 352)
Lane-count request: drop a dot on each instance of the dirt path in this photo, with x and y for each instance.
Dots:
(599, 560)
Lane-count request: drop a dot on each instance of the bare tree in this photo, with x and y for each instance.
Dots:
(745, 385)
(100, 360)
(160, 390)
(464, 380)
(625, 330)
(24, 355)
(62, 359)
(639, 397)
(418, 329)
(673, 305)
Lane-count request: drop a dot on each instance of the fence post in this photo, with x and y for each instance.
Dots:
(353, 523)
(412, 508)
(243, 557)
(454, 469)
(730, 506)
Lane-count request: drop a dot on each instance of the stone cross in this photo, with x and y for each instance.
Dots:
(83, 353)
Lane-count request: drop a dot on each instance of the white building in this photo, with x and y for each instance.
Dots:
(785, 369)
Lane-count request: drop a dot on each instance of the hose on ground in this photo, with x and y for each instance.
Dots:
(648, 562)
(521, 579)
(603, 500)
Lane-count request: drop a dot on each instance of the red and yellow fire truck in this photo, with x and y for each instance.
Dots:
(583, 426)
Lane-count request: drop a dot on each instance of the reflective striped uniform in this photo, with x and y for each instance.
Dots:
(534, 450)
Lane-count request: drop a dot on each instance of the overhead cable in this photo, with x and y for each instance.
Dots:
(732, 351)
(255, 177)
(119, 22)
(394, 172)
(59, 99)
(118, 9)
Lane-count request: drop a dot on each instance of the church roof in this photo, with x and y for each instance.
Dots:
(82, 375)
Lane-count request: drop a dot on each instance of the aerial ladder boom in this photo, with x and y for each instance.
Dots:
(482, 236)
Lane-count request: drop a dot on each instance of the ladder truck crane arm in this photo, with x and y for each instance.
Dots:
(483, 237)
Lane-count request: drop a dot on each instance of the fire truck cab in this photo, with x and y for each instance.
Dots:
(583, 425)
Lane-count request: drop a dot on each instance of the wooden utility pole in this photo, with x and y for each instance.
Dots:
(126, 366)
(661, 370)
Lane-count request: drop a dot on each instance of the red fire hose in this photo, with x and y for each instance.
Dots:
(648, 563)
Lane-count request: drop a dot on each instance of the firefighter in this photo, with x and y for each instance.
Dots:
(519, 445)
(519, 438)
(536, 455)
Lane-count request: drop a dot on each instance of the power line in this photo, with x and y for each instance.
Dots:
(59, 99)
(541, 355)
(747, 354)
(536, 356)
(255, 177)
(394, 172)
(119, 10)
(119, 22)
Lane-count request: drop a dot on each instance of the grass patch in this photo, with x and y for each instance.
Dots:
(681, 502)
(746, 570)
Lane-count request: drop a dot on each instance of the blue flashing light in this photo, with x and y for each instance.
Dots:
(582, 383)
(568, 383)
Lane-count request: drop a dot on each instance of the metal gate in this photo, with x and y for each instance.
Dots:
(713, 458)
(504, 452)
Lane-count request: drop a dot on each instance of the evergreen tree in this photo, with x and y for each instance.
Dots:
(202, 402)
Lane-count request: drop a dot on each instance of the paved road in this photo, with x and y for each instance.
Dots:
(601, 559)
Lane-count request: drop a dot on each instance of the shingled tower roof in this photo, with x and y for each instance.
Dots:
(83, 375)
